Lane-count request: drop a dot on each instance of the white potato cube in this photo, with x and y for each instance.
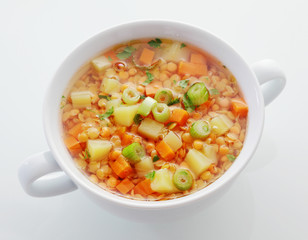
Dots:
(162, 182)
(144, 166)
(150, 128)
(197, 161)
(173, 141)
(110, 85)
(101, 63)
(98, 149)
(124, 115)
(81, 99)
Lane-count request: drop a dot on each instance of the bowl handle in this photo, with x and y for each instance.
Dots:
(271, 78)
(40, 165)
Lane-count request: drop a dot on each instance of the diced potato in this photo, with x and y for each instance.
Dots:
(162, 182)
(98, 149)
(101, 63)
(81, 99)
(110, 85)
(150, 128)
(197, 161)
(210, 152)
(221, 124)
(174, 52)
(124, 115)
(144, 166)
(173, 141)
(115, 103)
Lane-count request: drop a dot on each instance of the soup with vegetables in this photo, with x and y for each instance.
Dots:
(154, 119)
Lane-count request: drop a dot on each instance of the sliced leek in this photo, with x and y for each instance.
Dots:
(164, 96)
(198, 93)
(130, 96)
(161, 112)
(182, 179)
(134, 152)
(146, 106)
(200, 129)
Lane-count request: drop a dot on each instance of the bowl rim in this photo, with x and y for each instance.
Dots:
(227, 177)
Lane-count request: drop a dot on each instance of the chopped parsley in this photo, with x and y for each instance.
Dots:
(106, 114)
(183, 45)
(224, 66)
(169, 124)
(86, 154)
(150, 175)
(183, 84)
(110, 59)
(142, 97)
(63, 96)
(188, 104)
(127, 52)
(214, 91)
(149, 79)
(230, 157)
(137, 119)
(104, 97)
(155, 43)
(174, 81)
(174, 101)
(155, 158)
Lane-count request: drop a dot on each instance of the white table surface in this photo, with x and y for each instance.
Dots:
(269, 200)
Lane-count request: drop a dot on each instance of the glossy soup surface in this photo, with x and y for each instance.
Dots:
(154, 119)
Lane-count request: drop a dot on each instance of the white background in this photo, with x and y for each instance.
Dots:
(269, 200)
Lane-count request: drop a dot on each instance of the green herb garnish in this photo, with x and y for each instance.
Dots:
(155, 43)
(63, 102)
(230, 157)
(174, 101)
(137, 118)
(189, 106)
(127, 52)
(150, 175)
(106, 114)
(183, 45)
(104, 97)
(214, 91)
(174, 82)
(110, 59)
(149, 79)
(63, 96)
(224, 66)
(142, 96)
(169, 124)
(86, 154)
(183, 84)
(155, 158)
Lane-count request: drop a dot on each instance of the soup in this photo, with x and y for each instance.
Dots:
(154, 119)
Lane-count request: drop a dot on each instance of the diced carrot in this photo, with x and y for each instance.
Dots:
(75, 130)
(179, 116)
(143, 188)
(197, 58)
(165, 151)
(213, 137)
(121, 167)
(152, 88)
(146, 56)
(111, 55)
(125, 186)
(192, 68)
(73, 145)
(127, 139)
(239, 107)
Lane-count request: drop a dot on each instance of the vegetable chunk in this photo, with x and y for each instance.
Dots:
(101, 63)
(173, 141)
(150, 128)
(197, 162)
(165, 151)
(98, 149)
(124, 115)
(146, 56)
(192, 68)
(81, 99)
(163, 182)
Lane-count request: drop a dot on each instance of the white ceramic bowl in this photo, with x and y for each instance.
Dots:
(58, 158)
